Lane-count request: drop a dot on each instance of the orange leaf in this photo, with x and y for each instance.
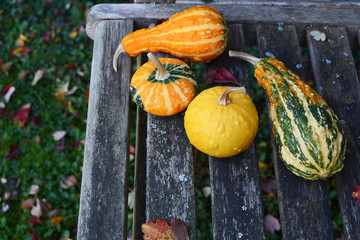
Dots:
(162, 231)
(56, 220)
(21, 51)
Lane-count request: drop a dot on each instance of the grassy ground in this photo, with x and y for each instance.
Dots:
(45, 56)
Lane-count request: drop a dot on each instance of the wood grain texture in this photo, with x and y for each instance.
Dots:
(103, 202)
(140, 166)
(338, 83)
(170, 190)
(235, 186)
(238, 12)
(301, 201)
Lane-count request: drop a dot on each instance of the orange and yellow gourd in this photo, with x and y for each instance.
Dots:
(198, 34)
(163, 86)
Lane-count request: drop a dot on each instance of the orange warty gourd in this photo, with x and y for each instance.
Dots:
(163, 86)
(198, 34)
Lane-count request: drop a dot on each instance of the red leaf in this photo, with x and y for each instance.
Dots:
(36, 120)
(162, 231)
(220, 75)
(356, 194)
(160, 21)
(34, 220)
(22, 114)
(13, 153)
(34, 236)
(46, 37)
(5, 88)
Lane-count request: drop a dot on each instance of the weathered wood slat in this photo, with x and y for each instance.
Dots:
(338, 83)
(140, 166)
(301, 202)
(236, 12)
(235, 185)
(170, 191)
(103, 203)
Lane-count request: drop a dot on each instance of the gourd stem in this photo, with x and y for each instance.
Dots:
(117, 53)
(245, 56)
(224, 99)
(161, 73)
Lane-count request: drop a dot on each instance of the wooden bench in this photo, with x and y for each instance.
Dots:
(164, 171)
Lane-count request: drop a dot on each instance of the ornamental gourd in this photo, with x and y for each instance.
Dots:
(307, 132)
(163, 86)
(221, 121)
(198, 34)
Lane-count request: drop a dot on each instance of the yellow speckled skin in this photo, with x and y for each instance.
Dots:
(221, 131)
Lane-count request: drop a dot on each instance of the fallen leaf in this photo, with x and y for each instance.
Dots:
(268, 185)
(220, 75)
(66, 183)
(5, 207)
(34, 236)
(207, 191)
(20, 51)
(34, 220)
(8, 94)
(61, 147)
(34, 189)
(131, 200)
(22, 74)
(74, 34)
(58, 135)
(38, 75)
(5, 67)
(6, 196)
(317, 35)
(21, 40)
(28, 203)
(56, 220)
(271, 224)
(46, 37)
(22, 116)
(37, 120)
(13, 153)
(64, 91)
(356, 194)
(162, 231)
(41, 208)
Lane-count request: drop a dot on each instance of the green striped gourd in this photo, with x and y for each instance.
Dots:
(163, 86)
(307, 132)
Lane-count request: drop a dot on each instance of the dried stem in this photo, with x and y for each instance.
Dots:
(245, 56)
(224, 99)
(118, 51)
(161, 73)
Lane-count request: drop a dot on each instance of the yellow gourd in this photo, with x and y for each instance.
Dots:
(221, 121)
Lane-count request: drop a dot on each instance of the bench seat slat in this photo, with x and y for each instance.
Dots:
(338, 83)
(104, 189)
(303, 204)
(170, 191)
(235, 184)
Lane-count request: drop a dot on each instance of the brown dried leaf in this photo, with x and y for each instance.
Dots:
(162, 231)
(28, 203)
